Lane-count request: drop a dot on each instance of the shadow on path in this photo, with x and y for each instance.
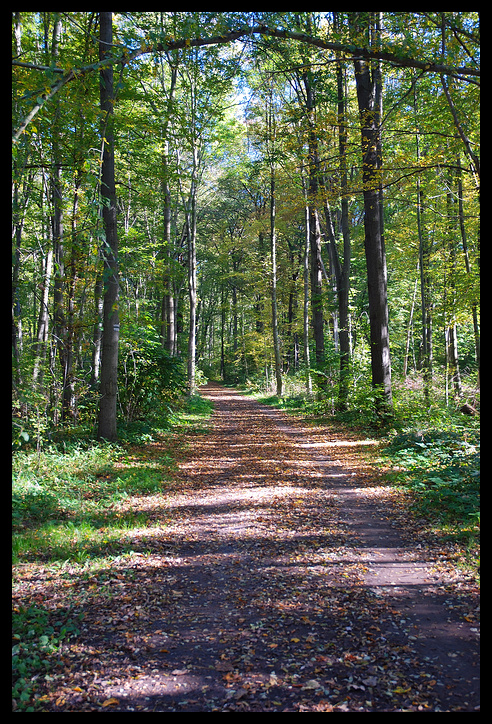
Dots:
(278, 582)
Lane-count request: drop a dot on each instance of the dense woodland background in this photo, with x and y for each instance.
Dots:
(288, 200)
(282, 202)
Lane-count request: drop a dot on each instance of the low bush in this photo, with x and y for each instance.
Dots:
(150, 380)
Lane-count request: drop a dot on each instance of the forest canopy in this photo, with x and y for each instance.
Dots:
(284, 199)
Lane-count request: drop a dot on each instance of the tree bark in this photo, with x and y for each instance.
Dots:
(367, 98)
(43, 321)
(464, 242)
(273, 238)
(314, 228)
(111, 324)
(305, 315)
(343, 283)
(168, 301)
(192, 278)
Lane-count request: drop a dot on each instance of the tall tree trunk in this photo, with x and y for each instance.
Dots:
(97, 330)
(410, 328)
(59, 316)
(222, 330)
(307, 98)
(270, 123)
(273, 240)
(111, 322)
(464, 242)
(43, 321)
(18, 222)
(314, 228)
(425, 295)
(451, 330)
(168, 301)
(192, 279)
(343, 283)
(305, 306)
(425, 279)
(366, 82)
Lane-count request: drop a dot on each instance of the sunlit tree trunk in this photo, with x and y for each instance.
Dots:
(464, 242)
(343, 283)
(192, 279)
(369, 116)
(273, 238)
(111, 321)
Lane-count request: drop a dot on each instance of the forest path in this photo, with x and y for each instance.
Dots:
(282, 582)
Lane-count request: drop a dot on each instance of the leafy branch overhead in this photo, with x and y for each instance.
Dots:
(394, 54)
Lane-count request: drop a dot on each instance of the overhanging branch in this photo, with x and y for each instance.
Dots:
(393, 57)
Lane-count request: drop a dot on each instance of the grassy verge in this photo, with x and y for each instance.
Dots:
(79, 503)
(441, 470)
(431, 454)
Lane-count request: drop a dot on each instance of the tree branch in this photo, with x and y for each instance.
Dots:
(393, 57)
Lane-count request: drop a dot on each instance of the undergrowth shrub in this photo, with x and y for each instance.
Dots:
(441, 467)
(150, 380)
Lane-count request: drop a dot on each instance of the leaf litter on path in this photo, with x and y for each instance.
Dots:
(279, 575)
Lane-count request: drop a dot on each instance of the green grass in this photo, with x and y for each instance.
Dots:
(66, 499)
(441, 468)
(69, 509)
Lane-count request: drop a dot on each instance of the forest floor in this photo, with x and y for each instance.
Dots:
(280, 574)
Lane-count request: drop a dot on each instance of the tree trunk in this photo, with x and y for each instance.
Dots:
(464, 241)
(168, 303)
(425, 279)
(43, 321)
(97, 331)
(343, 283)
(452, 358)
(410, 329)
(111, 322)
(366, 82)
(305, 306)
(59, 317)
(192, 280)
(314, 229)
(273, 238)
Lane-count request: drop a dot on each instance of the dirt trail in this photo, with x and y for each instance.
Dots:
(281, 582)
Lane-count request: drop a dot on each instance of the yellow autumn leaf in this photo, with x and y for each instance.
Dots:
(110, 702)
(401, 690)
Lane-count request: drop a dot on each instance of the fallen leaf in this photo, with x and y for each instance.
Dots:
(110, 702)
(312, 684)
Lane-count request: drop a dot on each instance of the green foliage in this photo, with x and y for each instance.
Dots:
(66, 499)
(30, 424)
(59, 483)
(150, 380)
(442, 470)
(37, 639)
